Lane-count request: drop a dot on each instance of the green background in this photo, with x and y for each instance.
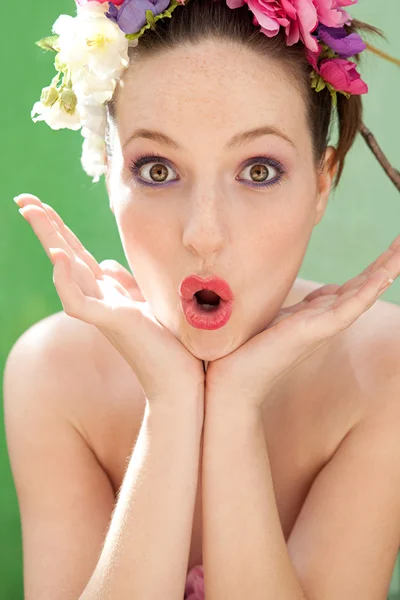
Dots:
(362, 218)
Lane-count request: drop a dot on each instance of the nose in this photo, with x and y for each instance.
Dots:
(205, 231)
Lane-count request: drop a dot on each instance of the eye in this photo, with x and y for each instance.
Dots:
(264, 171)
(153, 171)
(154, 168)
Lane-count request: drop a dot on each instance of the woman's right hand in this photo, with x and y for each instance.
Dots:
(164, 367)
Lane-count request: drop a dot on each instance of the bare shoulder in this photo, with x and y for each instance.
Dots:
(375, 339)
(370, 347)
(93, 380)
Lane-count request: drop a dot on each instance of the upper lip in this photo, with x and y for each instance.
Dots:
(194, 283)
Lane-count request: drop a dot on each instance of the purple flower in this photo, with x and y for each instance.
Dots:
(341, 42)
(131, 15)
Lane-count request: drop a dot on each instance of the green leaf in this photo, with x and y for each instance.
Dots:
(49, 43)
(321, 85)
(153, 19)
(314, 79)
(333, 93)
(327, 52)
(150, 18)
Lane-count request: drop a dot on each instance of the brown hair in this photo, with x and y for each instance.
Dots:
(213, 19)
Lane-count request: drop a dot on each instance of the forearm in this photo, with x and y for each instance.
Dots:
(244, 550)
(145, 554)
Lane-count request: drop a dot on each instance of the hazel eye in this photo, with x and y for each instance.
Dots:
(157, 172)
(151, 170)
(264, 171)
(261, 173)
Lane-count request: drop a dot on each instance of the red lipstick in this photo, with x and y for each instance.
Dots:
(206, 303)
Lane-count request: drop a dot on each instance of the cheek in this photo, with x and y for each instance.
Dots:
(283, 235)
(150, 244)
(275, 258)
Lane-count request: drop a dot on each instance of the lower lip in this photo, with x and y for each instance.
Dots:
(200, 318)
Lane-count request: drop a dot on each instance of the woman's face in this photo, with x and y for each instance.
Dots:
(214, 203)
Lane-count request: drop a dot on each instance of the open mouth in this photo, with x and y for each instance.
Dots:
(208, 300)
(205, 309)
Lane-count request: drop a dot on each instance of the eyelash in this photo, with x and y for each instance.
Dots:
(144, 159)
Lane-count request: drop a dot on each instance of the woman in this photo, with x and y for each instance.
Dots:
(211, 410)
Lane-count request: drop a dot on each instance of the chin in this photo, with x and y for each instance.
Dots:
(206, 345)
(207, 348)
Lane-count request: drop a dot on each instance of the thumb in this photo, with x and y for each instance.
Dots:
(123, 276)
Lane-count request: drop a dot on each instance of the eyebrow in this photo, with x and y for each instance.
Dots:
(238, 140)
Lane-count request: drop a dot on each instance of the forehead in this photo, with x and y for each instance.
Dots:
(212, 88)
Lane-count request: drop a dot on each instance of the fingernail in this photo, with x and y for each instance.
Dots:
(21, 210)
(386, 285)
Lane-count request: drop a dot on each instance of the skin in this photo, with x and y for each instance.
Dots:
(206, 221)
(192, 227)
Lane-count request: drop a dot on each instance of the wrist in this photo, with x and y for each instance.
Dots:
(231, 406)
(180, 406)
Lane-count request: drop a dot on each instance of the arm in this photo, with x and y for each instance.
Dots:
(244, 550)
(146, 550)
(65, 497)
(346, 538)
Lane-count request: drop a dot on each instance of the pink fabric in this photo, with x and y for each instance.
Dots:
(194, 588)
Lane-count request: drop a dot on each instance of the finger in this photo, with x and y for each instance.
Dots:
(345, 310)
(71, 239)
(359, 280)
(325, 290)
(390, 267)
(383, 258)
(307, 308)
(69, 292)
(315, 297)
(112, 281)
(307, 305)
(115, 269)
(127, 280)
(24, 199)
(44, 229)
(50, 237)
(75, 303)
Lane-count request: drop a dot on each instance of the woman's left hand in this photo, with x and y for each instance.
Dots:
(297, 332)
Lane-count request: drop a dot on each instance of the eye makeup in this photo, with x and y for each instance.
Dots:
(142, 160)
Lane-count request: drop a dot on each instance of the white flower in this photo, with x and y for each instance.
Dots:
(91, 39)
(93, 156)
(93, 118)
(94, 123)
(92, 10)
(56, 116)
(93, 55)
(88, 85)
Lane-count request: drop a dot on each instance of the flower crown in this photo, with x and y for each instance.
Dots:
(92, 56)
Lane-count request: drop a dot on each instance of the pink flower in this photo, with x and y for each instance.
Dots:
(300, 18)
(82, 2)
(343, 76)
(313, 57)
(331, 13)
